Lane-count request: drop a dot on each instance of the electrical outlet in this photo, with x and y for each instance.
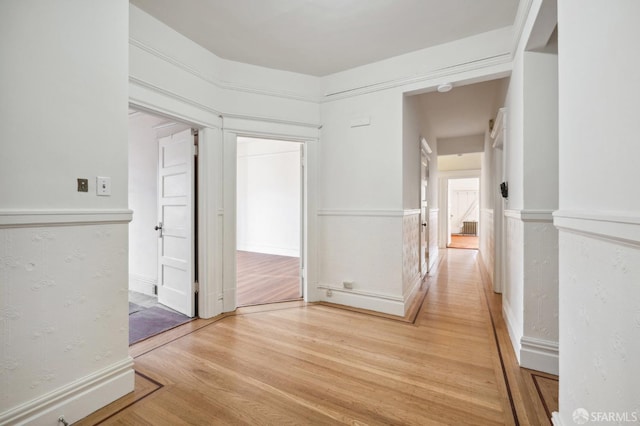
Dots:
(329, 292)
(348, 285)
(83, 185)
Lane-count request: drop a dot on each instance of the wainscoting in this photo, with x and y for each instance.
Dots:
(63, 306)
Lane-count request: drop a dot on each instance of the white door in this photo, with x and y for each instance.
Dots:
(424, 213)
(176, 286)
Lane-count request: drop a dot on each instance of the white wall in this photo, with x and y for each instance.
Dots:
(411, 187)
(361, 200)
(143, 200)
(461, 144)
(63, 253)
(599, 215)
(540, 192)
(411, 134)
(472, 161)
(464, 202)
(529, 264)
(268, 203)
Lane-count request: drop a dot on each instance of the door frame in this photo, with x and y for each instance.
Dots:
(208, 127)
(443, 219)
(307, 234)
(216, 184)
(425, 152)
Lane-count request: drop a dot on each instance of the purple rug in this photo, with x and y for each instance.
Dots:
(151, 321)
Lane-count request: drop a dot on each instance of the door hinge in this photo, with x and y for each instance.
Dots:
(195, 150)
(196, 287)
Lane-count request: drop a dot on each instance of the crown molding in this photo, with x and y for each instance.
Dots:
(440, 73)
(524, 9)
(221, 84)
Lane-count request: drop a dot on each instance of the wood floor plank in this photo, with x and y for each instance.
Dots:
(266, 278)
(315, 364)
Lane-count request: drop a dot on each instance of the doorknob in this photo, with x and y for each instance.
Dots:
(158, 227)
(424, 224)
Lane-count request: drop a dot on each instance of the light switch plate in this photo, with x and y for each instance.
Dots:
(103, 186)
(83, 185)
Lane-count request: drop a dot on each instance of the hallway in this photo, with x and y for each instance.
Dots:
(314, 364)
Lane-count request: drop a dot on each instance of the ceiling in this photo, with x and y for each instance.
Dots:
(321, 37)
(465, 110)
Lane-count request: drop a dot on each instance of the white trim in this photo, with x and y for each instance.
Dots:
(380, 302)
(77, 399)
(556, 420)
(437, 74)
(257, 127)
(362, 213)
(361, 293)
(513, 214)
(134, 81)
(30, 218)
(609, 226)
(539, 354)
(243, 126)
(142, 284)
(514, 335)
(522, 15)
(530, 215)
(225, 85)
(411, 293)
(411, 212)
(268, 249)
(537, 215)
(499, 124)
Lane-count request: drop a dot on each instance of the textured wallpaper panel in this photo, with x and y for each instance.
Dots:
(63, 306)
(599, 325)
(410, 250)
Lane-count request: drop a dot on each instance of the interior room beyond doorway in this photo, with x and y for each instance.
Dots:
(269, 218)
(149, 314)
(464, 214)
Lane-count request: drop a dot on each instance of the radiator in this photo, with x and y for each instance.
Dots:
(470, 228)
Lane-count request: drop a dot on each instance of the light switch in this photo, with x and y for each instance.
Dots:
(103, 186)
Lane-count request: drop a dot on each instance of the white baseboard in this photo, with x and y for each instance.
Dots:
(77, 399)
(556, 419)
(260, 248)
(364, 300)
(514, 335)
(409, 295)
(538, 354)
(142, 284)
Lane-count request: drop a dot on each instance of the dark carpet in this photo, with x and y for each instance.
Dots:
(148, 322)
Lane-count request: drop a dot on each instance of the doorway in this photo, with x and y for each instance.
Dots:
(269, 220)
(162, 237)
(463, 213)
(425, 150)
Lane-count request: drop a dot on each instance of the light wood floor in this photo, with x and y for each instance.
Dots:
(294, 363)
(267, 278)
(464, 241)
